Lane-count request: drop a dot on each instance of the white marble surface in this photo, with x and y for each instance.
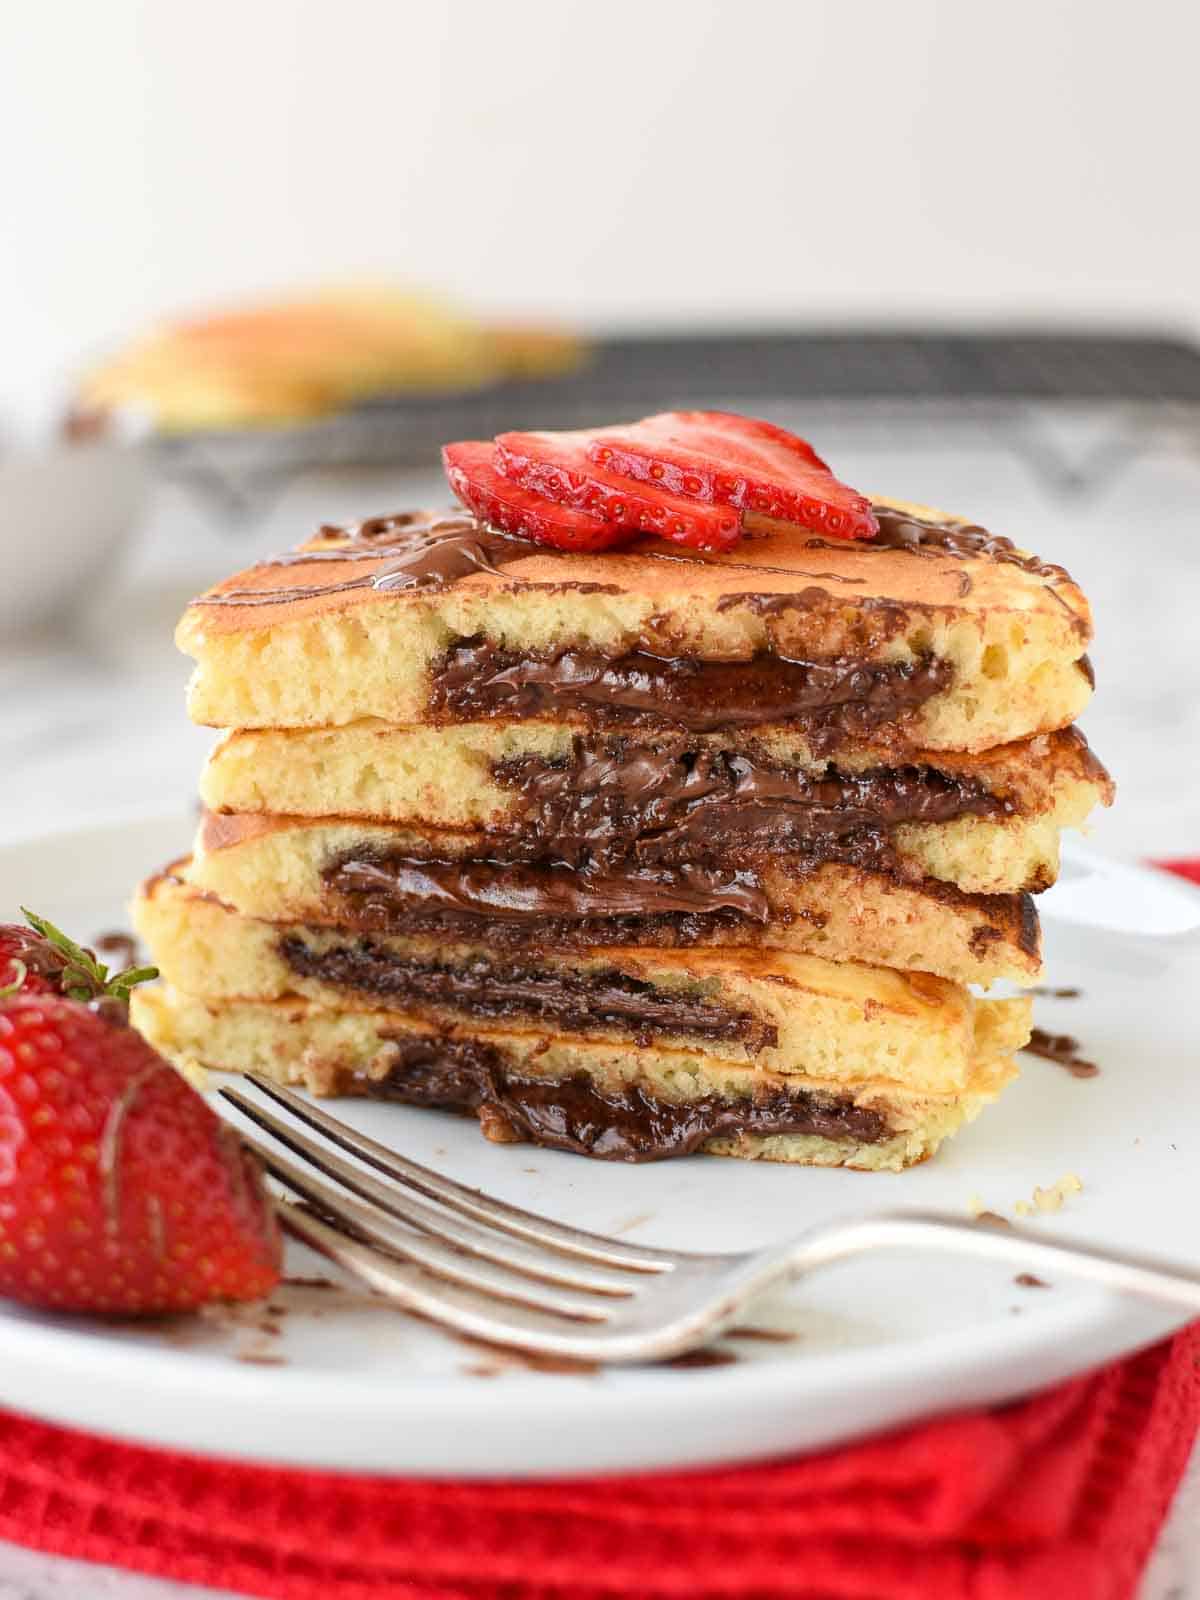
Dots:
(92, 725)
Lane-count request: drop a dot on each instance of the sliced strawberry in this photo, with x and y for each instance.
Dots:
(723, 459)
(512, 509)
(556, 466)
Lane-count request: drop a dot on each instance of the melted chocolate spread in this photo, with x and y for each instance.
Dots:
(1063, 1050)
(519, 904)
(846, 695)
(615, 801)
(573, 1000)
(577, 1114)
(622, 840)
(382, 912)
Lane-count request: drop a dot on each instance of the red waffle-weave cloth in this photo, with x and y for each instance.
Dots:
(1057, 1498)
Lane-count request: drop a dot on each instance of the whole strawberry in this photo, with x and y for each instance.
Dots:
(121, 1190)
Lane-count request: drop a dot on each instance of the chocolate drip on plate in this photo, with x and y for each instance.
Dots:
(1063, 1050)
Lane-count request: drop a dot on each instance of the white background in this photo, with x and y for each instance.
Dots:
(631, 161)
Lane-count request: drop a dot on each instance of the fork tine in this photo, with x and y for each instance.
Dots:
(465, 1313)
(482, 1277)
(502, 1248)
(472, 1202)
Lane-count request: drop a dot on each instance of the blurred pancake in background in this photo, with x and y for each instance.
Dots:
(295, 360)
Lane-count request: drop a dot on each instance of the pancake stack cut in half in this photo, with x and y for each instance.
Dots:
(644, 844)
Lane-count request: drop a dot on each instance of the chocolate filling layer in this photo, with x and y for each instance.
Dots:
(578, 1114)
(378, 896)
(478, 678)
(619, 836)
(616, 802)
(512, 893)
(386, 907)
(574, 1001)
(518, 905)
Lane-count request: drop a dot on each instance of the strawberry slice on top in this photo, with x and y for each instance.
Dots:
(558, 467)
(506, 505)
(719, 458)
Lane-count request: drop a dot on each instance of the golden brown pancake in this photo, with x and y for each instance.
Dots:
(297, 871)
(614, 1100)
(950, 639)
(987, 823)
(767, 1008)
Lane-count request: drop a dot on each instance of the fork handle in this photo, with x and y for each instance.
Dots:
(1145, 1276)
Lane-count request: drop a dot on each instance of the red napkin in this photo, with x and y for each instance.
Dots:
(1060, 1496)
(1185, 869)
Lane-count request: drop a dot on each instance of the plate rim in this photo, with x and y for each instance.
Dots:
(976, 1356)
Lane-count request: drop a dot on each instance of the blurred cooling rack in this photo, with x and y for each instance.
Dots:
(1135, 392)
(1084, 447)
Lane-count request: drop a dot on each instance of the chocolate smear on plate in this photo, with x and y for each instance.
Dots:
(1062, 1049)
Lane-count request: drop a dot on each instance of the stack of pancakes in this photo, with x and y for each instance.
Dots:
(633, 853)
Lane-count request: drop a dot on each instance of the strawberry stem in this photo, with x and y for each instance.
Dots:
(83, 977)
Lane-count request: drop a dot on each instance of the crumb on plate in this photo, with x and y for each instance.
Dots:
(1051, 1198)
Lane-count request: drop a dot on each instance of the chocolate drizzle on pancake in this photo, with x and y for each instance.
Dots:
(579, 1114)
(963, 541)
(575, 1000)
(423, 550)
(412, 551)
(429, 550)
(831, 698)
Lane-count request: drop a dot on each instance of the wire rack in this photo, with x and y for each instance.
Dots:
(1140, 392)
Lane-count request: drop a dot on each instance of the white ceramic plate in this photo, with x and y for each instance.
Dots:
(347, 1383)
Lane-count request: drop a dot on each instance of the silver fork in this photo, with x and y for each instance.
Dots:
(488, 1269)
